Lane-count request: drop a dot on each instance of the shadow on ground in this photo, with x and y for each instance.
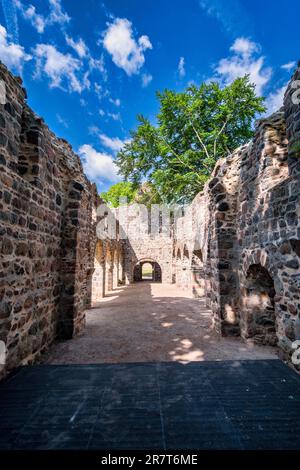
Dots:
(148, 322)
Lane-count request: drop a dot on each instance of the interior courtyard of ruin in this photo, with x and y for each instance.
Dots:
(173, 326)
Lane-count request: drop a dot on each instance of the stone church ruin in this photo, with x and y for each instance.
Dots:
(243, 253)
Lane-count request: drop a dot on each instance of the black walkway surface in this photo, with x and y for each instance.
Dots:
(208, 405)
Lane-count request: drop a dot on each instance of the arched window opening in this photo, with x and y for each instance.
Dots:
(259, 315)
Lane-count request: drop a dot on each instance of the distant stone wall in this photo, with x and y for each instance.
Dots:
(140, 245)
(46, 229)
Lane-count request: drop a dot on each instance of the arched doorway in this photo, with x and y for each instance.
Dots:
(147, 270)
(259, 321)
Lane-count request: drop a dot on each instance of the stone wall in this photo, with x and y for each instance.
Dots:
(238, 243)
(251, 234)
(141, 243)
(46, 232)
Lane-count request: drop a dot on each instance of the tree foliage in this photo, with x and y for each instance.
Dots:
(117, 191)
(194, 128)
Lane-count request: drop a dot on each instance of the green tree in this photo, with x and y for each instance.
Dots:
(147, 194)
(118, 190)
(194, 128)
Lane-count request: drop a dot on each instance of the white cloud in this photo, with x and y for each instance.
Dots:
(126, 52)
(101, 112)
(244, 61)
(98, 64)
(289, 66)
(244, 46)
(114, 116)
(113, 143)
(80, 47)
(275, 100)
(62, 121)
(57, 15)
(146, 79)
(38, 21)
(97, 164)
(12, 55)
(63, 70)
(181, 69)
(116, 102)
(93, 130)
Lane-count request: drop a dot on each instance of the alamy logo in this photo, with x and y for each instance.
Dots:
(296, 353)
(296, 94)
(2, 353)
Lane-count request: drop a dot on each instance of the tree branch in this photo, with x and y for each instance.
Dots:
(194, 170)
(200, 140)
(218, 135)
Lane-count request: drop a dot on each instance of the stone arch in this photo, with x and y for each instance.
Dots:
(258, 316)
(138, 270)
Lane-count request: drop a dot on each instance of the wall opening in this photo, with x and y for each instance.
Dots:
(147, 270)
(259, 315)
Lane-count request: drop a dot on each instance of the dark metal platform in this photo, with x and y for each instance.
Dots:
(204, 405)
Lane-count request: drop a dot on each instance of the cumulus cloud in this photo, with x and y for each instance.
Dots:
(244, 60)
(79, 46)
(63, 70)
(181, 69)
(113, 143)
(127, 52)
(274, 100)
(146, 79)
(12, 55)
(38, 21)
(97, 164)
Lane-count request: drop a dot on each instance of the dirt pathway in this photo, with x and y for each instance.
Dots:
(148, 323)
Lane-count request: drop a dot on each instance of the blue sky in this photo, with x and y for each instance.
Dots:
(90, 67)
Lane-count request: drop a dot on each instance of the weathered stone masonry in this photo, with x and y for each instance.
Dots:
(46, 231)
(243, 252)
(249, 234)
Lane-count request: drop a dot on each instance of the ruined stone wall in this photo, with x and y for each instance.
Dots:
(251, 231)
(46, 231)
(141, 243)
